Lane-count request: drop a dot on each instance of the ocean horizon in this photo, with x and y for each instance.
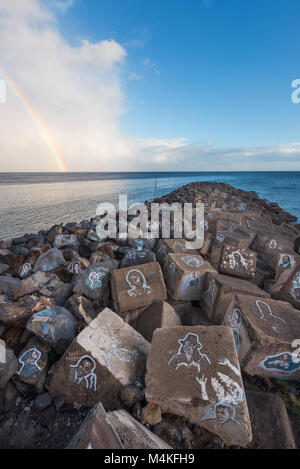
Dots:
(32, 201)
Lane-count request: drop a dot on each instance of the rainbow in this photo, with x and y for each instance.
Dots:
(45, 132)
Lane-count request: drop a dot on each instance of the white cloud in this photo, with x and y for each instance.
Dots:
(77, 92)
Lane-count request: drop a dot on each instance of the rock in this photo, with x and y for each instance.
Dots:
(270, 422)
(49, 261)
(3, 268)
(172, 246)
(53, 232)
(134, 257)
(133, 288)
(62, 240)
(107, 355)
(81, 308)
(158, 315)
(194, 372)
(58, 401)
(10, 397)
(96, 432)
(218, 292)
(132, 434)
(184, 276)
(41, 282)
(9, 285)
(15, 261)
(131, 394)
(8, 364)
(42, 402)
(61, 294)
(238, 262)
(32, 362)
(54, 326)
(93, 282)
(287, 287)
(151, 414)
(15, 313)
(265, 331)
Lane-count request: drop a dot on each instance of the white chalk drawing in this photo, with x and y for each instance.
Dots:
(295, 289)
(267, 315)
(162, 251)
(95, 279)
(180, 244)
(281, 362)
(242, 207)
(29, 361)
(210, 293)
(205, 225)
(220, 237)
(235, 320)
(75, 267)
(273, 244)
(224, 416)
(286, 261)
(188, 353)
(26, 269)
(232, 228)
(119, 353)
(137, 282)
(192, 261)
(171, 269)
(139, 244)
(191, 280)
(84, 372)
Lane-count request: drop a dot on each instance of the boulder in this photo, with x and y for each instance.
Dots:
(63, 240)
(9, 285)
(218, 292)
(96, 432)
(40, 282)
(15, 313)
(82, 308)
(105, 356)
(270, 422)
(184, 276)
(171, 246)
(3, 268)
(54, 326)
(265, 331)
(133, 288)
(49, 260)
(132, 434)
(158, 315)
(194, 372)
(287, 287)
(93, 281)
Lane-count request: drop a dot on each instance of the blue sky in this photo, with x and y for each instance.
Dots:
(191, 78)
(218, 70)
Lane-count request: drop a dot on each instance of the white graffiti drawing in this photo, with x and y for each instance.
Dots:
(26, 268)
(273, 244)
(295, 289)
(203, 381)
(232, 228)
(234, 393)
(192, 261)
(209, 294)
(266, 314)
(224, 414)
(171, 269)
(226, 362)
(96, 279)
(84, 372)
(74, 267)
(220, 237)
(236, 260)
(189, 353)
(180, 244)
(286, 261)
(137, 282)
(29, 361)
(191, 280)
(235, 321)
(116, 352)
(162, 251)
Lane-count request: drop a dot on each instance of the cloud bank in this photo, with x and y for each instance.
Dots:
(77, 92)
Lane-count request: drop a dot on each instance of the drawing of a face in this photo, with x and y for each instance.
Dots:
(220, 237)
(96, 279)
(137, 282)
(172, 268)
(162, 251)
(84, 368)
(192, 261)
(223, 414)
(25, 270)
(273, 244)
(235, 319)
(29, 361)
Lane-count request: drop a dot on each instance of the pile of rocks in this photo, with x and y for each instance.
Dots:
(148, 344)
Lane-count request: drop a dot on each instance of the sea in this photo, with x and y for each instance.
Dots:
(30, 202)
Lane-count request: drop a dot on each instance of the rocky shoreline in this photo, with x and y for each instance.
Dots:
(146, 344)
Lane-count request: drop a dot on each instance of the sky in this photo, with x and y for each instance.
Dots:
(160, 85)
